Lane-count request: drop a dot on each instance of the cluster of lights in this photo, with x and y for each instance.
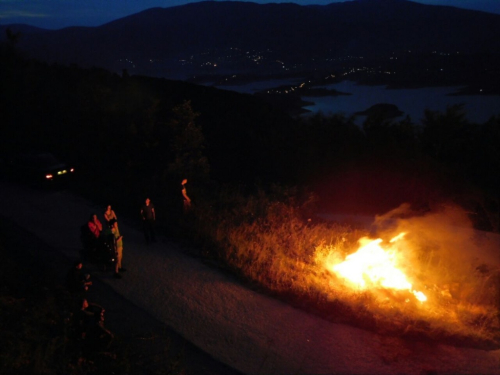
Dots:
(128, 61)
(50, 176)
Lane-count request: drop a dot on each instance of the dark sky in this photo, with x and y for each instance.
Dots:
(55, 14)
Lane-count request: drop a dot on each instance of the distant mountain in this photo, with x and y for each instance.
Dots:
(235, 36)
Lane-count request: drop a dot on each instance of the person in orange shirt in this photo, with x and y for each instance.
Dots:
(118, 248)
(185, 197)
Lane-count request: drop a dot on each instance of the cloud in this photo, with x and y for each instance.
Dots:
(6, 14)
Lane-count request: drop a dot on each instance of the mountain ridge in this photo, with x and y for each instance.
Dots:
(286, 32)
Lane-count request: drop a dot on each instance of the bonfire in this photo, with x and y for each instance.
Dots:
(431, 274)
(372, 266)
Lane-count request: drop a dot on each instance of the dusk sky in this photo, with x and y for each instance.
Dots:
(56, 14)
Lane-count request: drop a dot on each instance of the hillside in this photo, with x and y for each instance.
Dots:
(44, 107)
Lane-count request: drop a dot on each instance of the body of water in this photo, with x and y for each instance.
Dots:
(413, 102)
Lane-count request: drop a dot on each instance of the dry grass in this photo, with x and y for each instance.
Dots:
(274, 246)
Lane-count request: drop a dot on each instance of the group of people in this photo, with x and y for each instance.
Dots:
(88, 330)
(109, 236)
(106, 243)
(88, 326)
(104, 239)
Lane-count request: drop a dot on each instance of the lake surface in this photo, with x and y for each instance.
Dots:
(413, 102)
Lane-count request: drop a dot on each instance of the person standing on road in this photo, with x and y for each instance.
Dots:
(185, 197)
(118, 240)
(110, 216)
(95, 229)
(95, 226)
(148, 219)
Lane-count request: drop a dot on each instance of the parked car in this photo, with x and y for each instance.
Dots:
(41, 167)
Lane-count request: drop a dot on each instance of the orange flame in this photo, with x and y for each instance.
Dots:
(372, 266)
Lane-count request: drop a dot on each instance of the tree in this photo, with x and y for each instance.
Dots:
(187, 145)
(446, 136)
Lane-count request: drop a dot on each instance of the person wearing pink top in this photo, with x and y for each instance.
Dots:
(95, 226)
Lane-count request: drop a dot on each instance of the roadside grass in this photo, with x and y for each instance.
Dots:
(274, 244)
